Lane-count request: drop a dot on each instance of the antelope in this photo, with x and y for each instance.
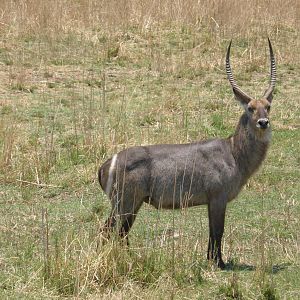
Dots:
(173, 176)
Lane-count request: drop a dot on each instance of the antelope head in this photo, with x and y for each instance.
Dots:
(257, 110)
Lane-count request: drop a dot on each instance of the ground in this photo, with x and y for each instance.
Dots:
(74, 91)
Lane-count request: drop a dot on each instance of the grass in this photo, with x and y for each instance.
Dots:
(79, 83)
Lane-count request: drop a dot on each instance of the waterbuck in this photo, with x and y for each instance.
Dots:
(208, 172)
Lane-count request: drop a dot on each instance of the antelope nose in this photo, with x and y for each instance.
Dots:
(263, 123)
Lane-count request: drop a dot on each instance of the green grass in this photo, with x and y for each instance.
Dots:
(68, 103)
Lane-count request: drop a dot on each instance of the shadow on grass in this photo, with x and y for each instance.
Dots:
(231, 266)
(279, 267)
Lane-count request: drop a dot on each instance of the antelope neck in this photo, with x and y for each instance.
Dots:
(249, 149)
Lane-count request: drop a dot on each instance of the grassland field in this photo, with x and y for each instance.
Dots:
(81, 80)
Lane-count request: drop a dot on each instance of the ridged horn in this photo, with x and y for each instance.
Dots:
(239, 94)
(269, 92)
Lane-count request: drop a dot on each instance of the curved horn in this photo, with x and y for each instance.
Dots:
(239, 94)
(269, 92)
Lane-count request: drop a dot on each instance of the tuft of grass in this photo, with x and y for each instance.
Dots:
(231, 290)
(269, 292)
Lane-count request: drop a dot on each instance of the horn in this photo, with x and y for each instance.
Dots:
(239, 94)
(269, 92)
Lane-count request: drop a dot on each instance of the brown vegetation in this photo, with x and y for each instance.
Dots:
(81, 80)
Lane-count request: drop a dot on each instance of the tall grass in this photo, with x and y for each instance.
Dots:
(236, 17)
(81, 80)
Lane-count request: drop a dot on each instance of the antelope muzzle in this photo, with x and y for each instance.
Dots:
(263, 123)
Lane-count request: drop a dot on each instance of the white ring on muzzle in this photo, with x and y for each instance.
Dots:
(266, 120)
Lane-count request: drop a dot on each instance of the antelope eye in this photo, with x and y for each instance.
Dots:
(250, 109)
(268, 108)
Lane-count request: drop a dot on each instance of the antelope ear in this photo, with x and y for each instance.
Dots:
(241, 97)
(269, 97)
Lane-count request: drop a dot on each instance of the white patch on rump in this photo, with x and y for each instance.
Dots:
(111, 174)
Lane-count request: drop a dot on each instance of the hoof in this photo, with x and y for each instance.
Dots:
(221, 264)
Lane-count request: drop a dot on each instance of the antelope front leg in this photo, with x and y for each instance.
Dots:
(216, 216)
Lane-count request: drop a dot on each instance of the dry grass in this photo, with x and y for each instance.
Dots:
(243, 17)
(80, 80)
